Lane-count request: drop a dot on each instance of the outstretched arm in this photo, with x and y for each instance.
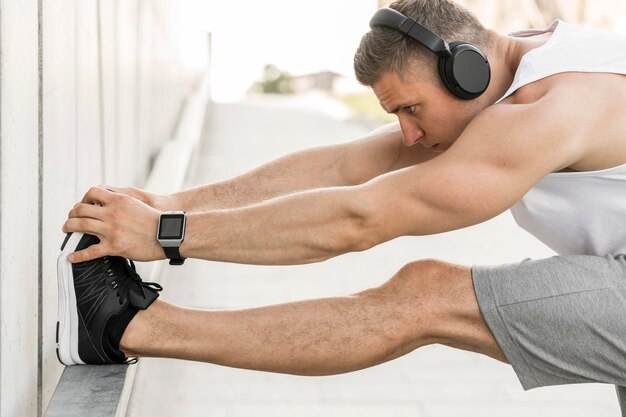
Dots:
(496, 160)
(349, 163)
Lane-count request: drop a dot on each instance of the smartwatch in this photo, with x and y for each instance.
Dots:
(170, 234)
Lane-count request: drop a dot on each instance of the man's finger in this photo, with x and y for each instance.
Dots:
(85, 225)
(92, 252)
(129, 191)
(111, 188)
(86, 210)
(97, 195)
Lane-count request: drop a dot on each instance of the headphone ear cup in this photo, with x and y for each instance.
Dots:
(466, 72)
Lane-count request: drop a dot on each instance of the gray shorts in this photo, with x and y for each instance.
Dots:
(559, 320)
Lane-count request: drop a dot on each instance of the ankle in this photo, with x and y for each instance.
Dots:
(135, 338)
(130, 343)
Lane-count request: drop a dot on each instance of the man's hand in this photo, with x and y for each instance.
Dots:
(125, 226)
(157, 201)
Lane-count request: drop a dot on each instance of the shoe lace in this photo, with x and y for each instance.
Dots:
(134, 280)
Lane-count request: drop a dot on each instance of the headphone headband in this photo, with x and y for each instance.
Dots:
(462, 67)
(393, 19)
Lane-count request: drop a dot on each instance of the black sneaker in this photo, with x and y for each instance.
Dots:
(97, 300)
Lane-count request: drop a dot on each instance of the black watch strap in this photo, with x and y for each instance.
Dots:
(174, 255)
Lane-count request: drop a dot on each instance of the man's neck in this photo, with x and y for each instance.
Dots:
(509, 52)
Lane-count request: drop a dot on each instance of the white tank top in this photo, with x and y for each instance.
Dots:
(575, 212)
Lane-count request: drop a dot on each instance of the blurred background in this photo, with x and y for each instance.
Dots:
(280, 47)
(164, 94)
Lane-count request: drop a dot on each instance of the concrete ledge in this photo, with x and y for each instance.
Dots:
(92, 390)
(104, 390)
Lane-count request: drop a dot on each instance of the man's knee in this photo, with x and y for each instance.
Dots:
(437, 303)
(418, 293)
(430, 279)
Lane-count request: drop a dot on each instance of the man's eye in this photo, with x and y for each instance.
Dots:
(410, 109)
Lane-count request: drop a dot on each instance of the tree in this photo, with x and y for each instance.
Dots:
(275, 81)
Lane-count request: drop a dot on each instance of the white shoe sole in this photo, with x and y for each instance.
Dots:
(67, 325)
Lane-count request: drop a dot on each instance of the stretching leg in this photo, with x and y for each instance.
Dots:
(425, 302)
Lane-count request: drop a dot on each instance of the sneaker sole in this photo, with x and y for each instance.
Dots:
(67, 326)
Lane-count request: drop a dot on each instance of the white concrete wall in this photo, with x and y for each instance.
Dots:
(19, 237)
(89, 91)
(60, 113)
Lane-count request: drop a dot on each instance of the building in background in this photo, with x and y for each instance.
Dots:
(276, 81)
(320, 81)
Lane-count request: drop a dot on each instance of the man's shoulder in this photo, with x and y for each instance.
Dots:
(568, 109)
(540, 100)
(561, 110)
(582, 104)
(538, 125)
(566, 87)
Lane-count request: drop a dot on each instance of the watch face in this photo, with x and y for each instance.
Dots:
(171, 226)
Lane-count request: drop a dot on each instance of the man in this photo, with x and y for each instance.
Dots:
(545, 138)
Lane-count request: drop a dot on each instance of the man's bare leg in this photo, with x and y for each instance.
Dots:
(426, 302)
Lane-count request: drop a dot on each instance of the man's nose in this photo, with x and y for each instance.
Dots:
(411, 134)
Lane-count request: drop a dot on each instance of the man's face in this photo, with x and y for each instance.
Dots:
(428, 114)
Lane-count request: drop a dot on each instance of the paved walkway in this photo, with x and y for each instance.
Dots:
(434, 381)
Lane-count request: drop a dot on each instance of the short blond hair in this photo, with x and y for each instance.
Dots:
(383, 49)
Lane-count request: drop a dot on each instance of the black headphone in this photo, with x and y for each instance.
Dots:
(463, 67)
